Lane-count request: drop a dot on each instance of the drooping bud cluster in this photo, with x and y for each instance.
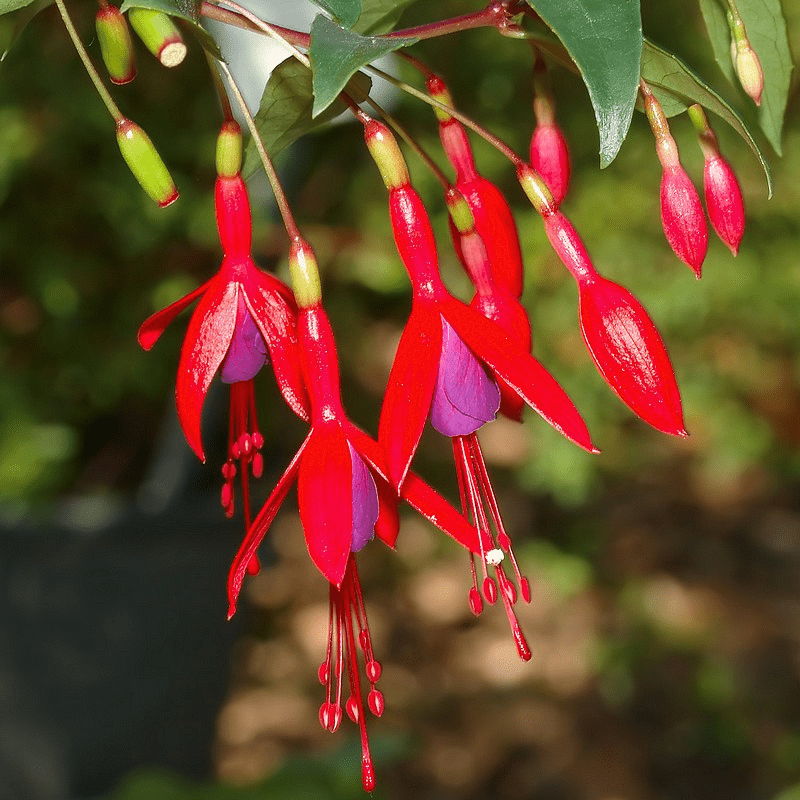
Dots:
(681, 213)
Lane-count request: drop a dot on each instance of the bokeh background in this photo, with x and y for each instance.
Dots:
(665, 619)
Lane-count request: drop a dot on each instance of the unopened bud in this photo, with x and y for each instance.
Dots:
(745, 61)
(229, 149)
(145, 163)
(751, 76)
(159, 34)
(437, 89)
(550, 158)
(305, 275)
(682, 217)
(386, 153)
(537, 190)
(116, 47)
(459, 211)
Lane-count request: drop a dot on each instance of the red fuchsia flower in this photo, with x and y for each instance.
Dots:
(245, 317)
(493, 219)
(722, 192)
(448, 363)
(681, 213)
(345, 498)
(620, 336)
(549, 152)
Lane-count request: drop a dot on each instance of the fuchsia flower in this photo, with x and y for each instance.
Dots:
(421, 354)
(244, 318)
(241, 310)
(344, 498)
(493, 219)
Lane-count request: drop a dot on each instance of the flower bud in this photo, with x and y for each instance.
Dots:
(159, 34)
(145, 163)
(745, 61)
(724, 201)
(550, 158)
(305, 277)
(115, 44)
(682, 217)
(385, 152)
(629, 353)
(536, 189)
(229, 149)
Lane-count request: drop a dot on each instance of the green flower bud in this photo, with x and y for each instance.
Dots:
(305, 275)
(145, 163)
(386, 154)
(229, 150)
(159, 34)
(460, 211)
(115, 44)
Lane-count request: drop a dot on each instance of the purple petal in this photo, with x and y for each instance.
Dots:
(365, 502)
(248, 350)
(465, 396)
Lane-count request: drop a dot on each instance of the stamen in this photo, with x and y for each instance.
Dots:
(478, 498)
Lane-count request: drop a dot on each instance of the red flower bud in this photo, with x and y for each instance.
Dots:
(550, 158)
(724, 201)
(115, 44)
(683, 218)
(622, 340)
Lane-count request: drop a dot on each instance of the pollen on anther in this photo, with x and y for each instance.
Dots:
(495, 557)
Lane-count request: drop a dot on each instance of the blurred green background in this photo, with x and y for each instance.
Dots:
(664, 623)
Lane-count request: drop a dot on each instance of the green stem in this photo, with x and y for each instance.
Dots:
(462, 118)
(98, 84)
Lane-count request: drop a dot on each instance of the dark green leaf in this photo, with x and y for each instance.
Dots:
(337, 54)
(12, 5)
(604, 40)
(183, 9)
(344, 11)
(21, 20)
(380, 16)
(677, 87)
(285, 111)
(766, 30)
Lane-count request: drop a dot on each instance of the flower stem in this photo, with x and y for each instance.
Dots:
(219, 86)
(105, 96)
(462, 118)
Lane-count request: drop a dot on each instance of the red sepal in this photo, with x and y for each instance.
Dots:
(152, 328)
(628, 351)
(409, 391)
(388, 525)
(208, 337)
(325, 499)
(275, 316)
(259, 528)
(520, 370)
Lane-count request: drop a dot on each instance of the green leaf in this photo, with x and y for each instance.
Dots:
(21, 21)
(185, 10)
(766, 30)
(380, 16)
(285, 111)
(346, 12)
(677, 87)
(337, 54)
(7, 6)
(604, 40)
